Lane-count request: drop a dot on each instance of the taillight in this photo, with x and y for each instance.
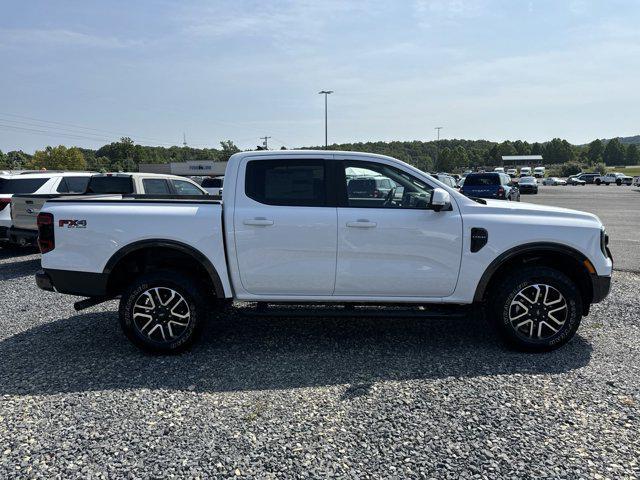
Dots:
(376, 193)
(501, 192)
(46, 237)
(4, 202)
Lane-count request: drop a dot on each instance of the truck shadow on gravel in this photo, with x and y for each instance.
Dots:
(88, 352)
(19, 269)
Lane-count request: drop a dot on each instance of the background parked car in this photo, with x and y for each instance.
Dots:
(445, 178)
(614, 177)
(554, 181)
(525, 171)
(539, 172)
(528, 185)
(213, 185)
(587, 177)
(490, 185)
(574, 180)
(512, 172)
(369, 187)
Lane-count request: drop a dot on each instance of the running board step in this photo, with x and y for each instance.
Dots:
(262, 310)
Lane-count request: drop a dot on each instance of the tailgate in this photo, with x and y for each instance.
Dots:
(25, 209)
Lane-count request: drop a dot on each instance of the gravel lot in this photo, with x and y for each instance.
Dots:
(617, 207)
(312, 398)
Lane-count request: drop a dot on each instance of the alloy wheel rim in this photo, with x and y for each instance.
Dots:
(161, 314)
(538, 312)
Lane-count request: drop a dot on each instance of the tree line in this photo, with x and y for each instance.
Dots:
(443, 155)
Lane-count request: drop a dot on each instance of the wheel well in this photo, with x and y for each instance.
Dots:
(155, 258)
(564, 262)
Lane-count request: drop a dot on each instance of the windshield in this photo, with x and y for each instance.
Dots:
(481, 180)
(527, 180)
(21, 185)
(110, 185)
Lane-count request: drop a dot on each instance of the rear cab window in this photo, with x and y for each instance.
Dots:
(212, 182)
(110, 184)
(481, 179)
(21, 185)
(291, 182)
(73, 185)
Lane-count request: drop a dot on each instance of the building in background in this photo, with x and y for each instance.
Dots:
(186, 169)
(521, 160)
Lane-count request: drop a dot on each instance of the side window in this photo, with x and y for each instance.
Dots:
(183, 187)
(406, 191)
(286, 182)
(73, 185)
(155, 186)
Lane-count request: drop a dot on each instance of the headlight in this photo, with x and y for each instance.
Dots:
(604, 242)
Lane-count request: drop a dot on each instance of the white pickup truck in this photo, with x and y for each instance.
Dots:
(291, 230)
(614, 177)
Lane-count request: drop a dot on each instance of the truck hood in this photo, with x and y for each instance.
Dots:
(531, 209)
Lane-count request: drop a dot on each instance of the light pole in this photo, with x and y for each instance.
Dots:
(326, 93)
(437, 146)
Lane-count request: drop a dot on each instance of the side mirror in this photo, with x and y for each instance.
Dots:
(440, 200)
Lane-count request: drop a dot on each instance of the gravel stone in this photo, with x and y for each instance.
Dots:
(309, 398)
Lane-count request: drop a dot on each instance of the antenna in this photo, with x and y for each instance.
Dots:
(264, 143)
(184, 139)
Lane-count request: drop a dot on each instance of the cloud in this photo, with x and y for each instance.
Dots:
(60, 37)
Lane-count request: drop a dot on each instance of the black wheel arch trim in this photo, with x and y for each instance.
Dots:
(518, 250)
(173, 244)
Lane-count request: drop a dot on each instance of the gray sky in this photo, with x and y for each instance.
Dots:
(238, 70)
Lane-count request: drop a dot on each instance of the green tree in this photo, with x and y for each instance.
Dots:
(17, 159)
(228, 149)
(558, 151)
(613, 152)
(4, 163)
(633, 155)
(600, 168)
(58, 158)
(595, 151)
(536, 149)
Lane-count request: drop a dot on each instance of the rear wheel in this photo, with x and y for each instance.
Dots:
(163, 311)
(537, 309)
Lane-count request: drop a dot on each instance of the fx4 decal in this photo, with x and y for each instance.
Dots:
(72, 223)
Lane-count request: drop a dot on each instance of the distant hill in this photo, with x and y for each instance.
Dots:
(630, 140)
(634, 140)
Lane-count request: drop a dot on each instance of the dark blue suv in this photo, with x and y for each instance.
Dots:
(490, 185)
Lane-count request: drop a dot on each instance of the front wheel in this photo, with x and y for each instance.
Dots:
(162, 312)
(537, 309)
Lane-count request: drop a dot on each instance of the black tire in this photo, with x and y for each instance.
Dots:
(598, 181)
(165, 333)
(523, 284)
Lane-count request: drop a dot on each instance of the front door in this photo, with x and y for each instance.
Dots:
(285, 233)
(391, 245)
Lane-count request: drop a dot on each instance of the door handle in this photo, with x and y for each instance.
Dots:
(261, 222)
(361, 224)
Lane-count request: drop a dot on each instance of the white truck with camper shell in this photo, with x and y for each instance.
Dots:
(289, 230)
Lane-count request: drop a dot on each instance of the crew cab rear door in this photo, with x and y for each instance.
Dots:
(285, 226)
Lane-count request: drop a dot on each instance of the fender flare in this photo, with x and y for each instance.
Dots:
(536, 247)
(171, 244)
